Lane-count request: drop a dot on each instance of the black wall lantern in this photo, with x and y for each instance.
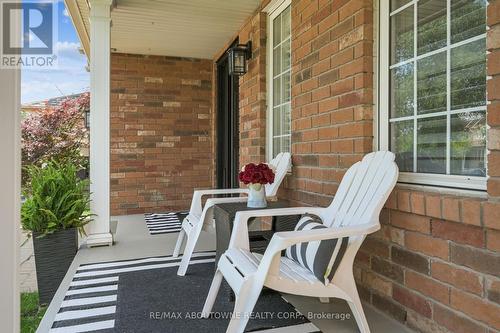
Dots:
(87, 118)
(238, 56)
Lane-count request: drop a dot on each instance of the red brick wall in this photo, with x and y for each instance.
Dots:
(435, 264)
(253, 93)
(332, 94)
(160, 132)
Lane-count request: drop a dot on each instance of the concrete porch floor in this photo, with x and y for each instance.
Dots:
(132, 240)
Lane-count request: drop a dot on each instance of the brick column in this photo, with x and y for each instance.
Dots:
(332, 94)
(253, 93)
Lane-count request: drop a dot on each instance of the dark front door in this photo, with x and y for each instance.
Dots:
(227, 126)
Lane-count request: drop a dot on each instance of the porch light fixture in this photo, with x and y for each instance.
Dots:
(238, 56)
(86, 118)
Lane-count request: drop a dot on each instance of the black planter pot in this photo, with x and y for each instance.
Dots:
(53, 256)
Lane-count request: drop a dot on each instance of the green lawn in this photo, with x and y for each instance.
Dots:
(31, 312)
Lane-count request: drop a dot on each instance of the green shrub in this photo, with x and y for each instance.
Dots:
(56, 199)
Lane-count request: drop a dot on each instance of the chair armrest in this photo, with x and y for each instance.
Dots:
(214, 201)
(221, 191)
(281, 240)
(207, 214)
(319, 211)
(286, 239)
(239, 236)
(196, 206)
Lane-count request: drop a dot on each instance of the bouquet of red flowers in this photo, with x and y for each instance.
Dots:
(256, 174)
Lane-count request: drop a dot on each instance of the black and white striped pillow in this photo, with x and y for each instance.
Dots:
(322, 258)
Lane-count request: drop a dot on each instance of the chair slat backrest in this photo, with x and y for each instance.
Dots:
(363, 190)
(281, 163)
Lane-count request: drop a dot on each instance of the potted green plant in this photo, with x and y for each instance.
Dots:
(55, 210)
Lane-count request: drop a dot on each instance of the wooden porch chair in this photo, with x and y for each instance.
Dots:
(201, 216)
(353, 214)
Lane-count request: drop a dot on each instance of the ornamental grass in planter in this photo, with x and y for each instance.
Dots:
(55, 210)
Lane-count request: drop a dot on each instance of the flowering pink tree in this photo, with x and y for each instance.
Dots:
(56, 133)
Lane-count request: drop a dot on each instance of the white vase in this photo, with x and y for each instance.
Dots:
(256, 196)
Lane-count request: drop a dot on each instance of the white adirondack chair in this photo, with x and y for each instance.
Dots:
(200, 216)
(354, 213)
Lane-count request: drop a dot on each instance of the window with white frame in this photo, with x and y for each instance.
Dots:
(279, 93)
(433, 90)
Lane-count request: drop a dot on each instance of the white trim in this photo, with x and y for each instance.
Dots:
(100, 41)
(276, 5)
(376, 72)
(10, 196)
(394, 12)
(479, 194)
(384, 77)
(452, 181)
(437, 114)
(384, 119)
(269, 95)
(274, 9)
(448, 87)
(77, 19)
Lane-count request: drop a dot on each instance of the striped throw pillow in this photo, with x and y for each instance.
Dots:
(322, 258)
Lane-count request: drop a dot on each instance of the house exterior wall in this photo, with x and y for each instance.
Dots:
(160, 132)
(253, 93)
(332, 95)
(435, 264)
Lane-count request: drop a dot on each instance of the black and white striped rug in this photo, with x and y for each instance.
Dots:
(164, 223)
(146, 295)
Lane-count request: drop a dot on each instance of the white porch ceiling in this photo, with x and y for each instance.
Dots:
(182, 28)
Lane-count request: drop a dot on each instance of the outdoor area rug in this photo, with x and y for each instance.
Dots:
(146, 295)
(164, 223)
